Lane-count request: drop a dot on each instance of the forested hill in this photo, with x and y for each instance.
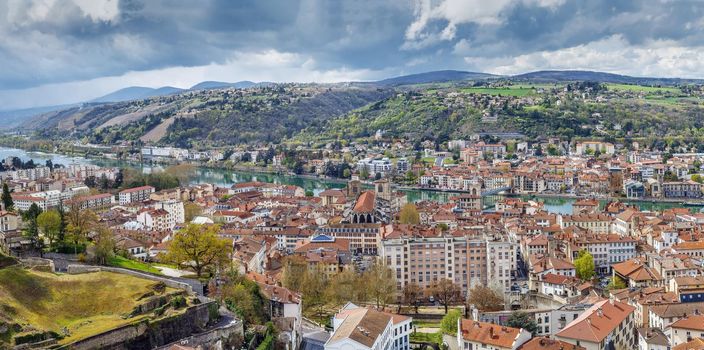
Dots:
(208, 117)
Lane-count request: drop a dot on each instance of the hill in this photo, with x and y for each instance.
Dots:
(135, 93)
(209, 117)
(535, 110)
(440, 76)
(205, 85)
(73, 307)
(602, 77)
(14, 118)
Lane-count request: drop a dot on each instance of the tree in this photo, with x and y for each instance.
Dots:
(49, 223)
(313, 289)
(244, 298)
(183, 172)
(445, 291)
(198, 247)
(79, 223)
(30, 217)
(380, 281)
(616, 283)
(7, 202)
(519, 319)
(292, 272)
(584, 265)
(409, 215)
(448, 325)
(485, 299)
(191, 210)
(412, 295)
(343, 287)
(364, 173)
(104, 245)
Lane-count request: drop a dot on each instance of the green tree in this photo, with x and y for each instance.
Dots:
(519, 319)
(79, 223)
(364, 173)
(343, 287)
(409, 215)
(49, 223)
(313, 287)
(30, 217)
(104, 245)
(616, 283)
(198, 247)
(244, 298)
(448, 325)
(584, 265)
(191, 210)
(7, 202)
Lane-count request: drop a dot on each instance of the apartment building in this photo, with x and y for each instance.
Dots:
(597, 223)
(136, 194)
(468, 259)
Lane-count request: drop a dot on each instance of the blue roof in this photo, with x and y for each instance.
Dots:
(322, 238)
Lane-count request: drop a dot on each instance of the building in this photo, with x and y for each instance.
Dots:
(652, 339)
(593, 146)
(98, 201)
(136, 194)
(688, 289)
(475, 335)
(401, 325)
(606, 325)
(362, 329)
(544, 343)
(686, 329)
(682, 189)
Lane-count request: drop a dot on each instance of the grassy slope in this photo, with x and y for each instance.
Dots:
(85, 304)
(119, 261)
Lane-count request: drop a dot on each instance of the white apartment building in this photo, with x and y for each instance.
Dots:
(136, 194)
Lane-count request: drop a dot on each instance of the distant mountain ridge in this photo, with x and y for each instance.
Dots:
(136, 93)
(602, 77)
(434, 77)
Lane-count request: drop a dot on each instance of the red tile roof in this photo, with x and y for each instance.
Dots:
(489, 333)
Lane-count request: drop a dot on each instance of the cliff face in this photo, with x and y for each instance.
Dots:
(149, 335)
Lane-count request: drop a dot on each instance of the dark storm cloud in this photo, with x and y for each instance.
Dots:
(61, 41)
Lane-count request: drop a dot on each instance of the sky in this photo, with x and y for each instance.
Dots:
(67, 51)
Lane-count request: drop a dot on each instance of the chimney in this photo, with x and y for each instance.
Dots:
(599, 312)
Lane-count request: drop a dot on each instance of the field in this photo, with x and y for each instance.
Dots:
(641, 88)
(83, 304)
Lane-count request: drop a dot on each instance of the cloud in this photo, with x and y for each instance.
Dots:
(658, 58)
(268, 65)
(80, 43)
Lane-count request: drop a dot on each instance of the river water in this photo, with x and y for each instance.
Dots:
(224, 177)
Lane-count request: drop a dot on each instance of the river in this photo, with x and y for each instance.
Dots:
(224, 177)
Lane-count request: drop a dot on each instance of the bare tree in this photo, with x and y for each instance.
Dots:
(445, 291)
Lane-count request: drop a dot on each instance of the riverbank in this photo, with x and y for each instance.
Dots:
(555, 203)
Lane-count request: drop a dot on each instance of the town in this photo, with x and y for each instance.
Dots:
(360, 265)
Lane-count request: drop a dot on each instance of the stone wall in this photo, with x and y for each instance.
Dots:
(38, 264)
(144, 335)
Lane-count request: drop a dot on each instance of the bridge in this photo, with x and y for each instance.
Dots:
(495, 191)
